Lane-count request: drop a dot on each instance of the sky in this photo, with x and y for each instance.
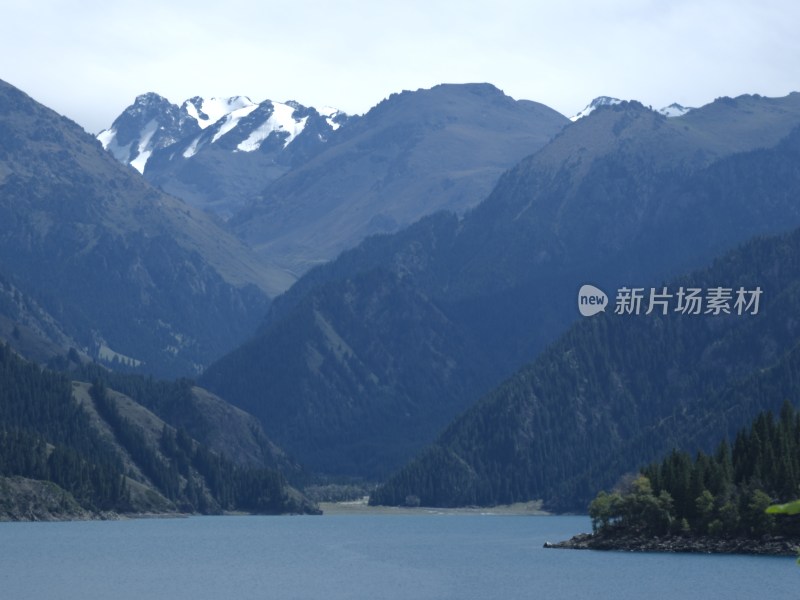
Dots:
(89, 60)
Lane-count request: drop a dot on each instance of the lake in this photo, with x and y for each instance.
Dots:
(374, 557)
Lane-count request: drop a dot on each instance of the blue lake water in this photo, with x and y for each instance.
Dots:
(374, 557)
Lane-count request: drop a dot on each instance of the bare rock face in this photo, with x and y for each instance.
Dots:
(24, 499)
(773, 545)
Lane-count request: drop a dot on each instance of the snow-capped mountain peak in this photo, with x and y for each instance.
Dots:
(150, 123)
(157, 138)
(675, 110)
(592, 106)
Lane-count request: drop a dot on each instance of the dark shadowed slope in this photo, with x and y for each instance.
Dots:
(128, 272)
(624, 196)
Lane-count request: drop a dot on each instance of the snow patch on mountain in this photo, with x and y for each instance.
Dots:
(675, 110)
(281, 119)
(207, 111)
(232, 119)
(193, 147)
(140, 162)
(330, 113)
(138, 159)
(593, 105)
(152, 123)
(108, 139)
(144, 149)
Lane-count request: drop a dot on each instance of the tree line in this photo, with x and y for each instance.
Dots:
(724, 494)
(45, 434)
(189, 474)
(616, 392)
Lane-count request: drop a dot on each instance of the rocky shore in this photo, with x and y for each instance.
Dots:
(24, 499)
(773, 545)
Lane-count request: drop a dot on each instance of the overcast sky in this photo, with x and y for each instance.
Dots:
(90, 59)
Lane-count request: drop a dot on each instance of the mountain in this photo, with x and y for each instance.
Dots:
(357, 377)
(72, 449)
(405, 331)
(204, 416)
(217, 153)
(673, 110)
(149, 124)
(125, 273)
(29, 328)
(302, 185)
(411, 155)
(621, 390)
(594, 104)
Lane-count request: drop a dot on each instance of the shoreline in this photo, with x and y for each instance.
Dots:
(353, 507)
(774, 545)
(361, 507)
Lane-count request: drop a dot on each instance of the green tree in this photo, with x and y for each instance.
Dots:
(604, 510)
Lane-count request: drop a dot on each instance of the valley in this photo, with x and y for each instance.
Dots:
(235, 301)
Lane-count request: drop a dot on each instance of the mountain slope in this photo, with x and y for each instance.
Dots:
(622, 196)
(149, 124)
(409, 156)
(99, 450)
(367, 402)
(206, 417)
(618, 391)
(30, 329)
(128, 272)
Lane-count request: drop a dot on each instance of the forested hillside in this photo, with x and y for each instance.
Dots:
(108, 454)
(619, 390)
(727, 495)
(406, 331)
(126, 274)
(45, 435)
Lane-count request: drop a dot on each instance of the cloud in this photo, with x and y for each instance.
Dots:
(90, 60)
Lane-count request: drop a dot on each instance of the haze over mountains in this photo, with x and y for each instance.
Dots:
(618, 391)
(406, 331)
(300, 186)
(491, 213)
(411, 155)
(123, 271)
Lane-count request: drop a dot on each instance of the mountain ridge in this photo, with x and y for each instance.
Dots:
(411, 155)
(71, 449)
(301, 199)
(673, 110)
(600, 202)
(116, 262)
(215, 153)
(616, 392)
